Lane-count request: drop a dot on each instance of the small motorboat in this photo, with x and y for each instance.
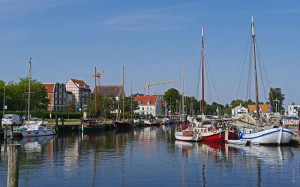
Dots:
(37, 130)
(187, 136)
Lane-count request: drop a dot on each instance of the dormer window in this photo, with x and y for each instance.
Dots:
(140, 102)
(148, 102)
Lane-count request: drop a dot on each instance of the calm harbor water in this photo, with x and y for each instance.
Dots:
(149, 157)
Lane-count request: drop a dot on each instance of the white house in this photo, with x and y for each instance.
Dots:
(239, 110)
(150, 104)
(81, 92)
(293, 110)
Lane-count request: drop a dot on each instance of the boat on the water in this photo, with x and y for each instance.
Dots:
(213, 134)
(165, 121)
(37, 130)
(92, 124)
(124, 124)
(187, 136)
(275, 135)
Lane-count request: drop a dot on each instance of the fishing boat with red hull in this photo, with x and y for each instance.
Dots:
(217, 136)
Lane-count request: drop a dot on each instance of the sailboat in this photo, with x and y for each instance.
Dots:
(276, 135)
(187, 132)
(215, 131)
(33, 128)
(92, 124)
(123, 124)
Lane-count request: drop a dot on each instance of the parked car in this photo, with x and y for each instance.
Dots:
(11, 119)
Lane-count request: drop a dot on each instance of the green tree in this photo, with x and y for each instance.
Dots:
(214, 109)
(16, 95)
(172, 98)
(238, 102)
(71, 106)
(227, 109)
(38, 95)
(192, 105)
(276, 98)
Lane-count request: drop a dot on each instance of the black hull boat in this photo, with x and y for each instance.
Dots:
(123, 125)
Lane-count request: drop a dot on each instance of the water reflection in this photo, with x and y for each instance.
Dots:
(34, 144)
(149, 154)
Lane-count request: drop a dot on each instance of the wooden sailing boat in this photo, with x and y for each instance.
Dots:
(123, 124)
(209, 133)
(277, 135)
(186, 133)
(92, 123)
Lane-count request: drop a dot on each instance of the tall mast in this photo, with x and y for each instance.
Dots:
(182, 79)
(95, 92)
(255, 72)
(131, 102)
(202, 57)
(123, 95)
(29, 79)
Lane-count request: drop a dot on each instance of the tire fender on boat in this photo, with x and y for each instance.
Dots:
(214, 130)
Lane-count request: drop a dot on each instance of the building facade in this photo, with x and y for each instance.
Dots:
(293, 110)
(56, 93)
(81, 92)
(239, 110)
(150, 105)
(264, 109)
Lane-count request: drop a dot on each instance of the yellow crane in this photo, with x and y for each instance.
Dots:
(98, 75)
(154, 84)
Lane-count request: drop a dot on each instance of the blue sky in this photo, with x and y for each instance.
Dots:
(68, 38)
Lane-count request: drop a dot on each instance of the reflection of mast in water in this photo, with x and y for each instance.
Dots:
(258, 172)
(122, 152)
(183, 169)
(203, 169)
(95, 166)
(123, 165)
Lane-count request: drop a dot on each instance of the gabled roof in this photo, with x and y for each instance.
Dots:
(49, 87)
(79, 82)
(105, 90)
(264, 107)
(144, 99)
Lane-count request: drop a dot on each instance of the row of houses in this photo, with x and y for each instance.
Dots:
(265, 109)
(78, 92)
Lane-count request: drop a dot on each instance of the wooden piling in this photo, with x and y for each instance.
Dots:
(11, 132)
(226, 134)
(13, 165)
(5, 132)
(56, 123)
(63, 123)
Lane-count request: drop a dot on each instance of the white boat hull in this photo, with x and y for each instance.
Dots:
(180, 136)
(270, 136)
(33, 133)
